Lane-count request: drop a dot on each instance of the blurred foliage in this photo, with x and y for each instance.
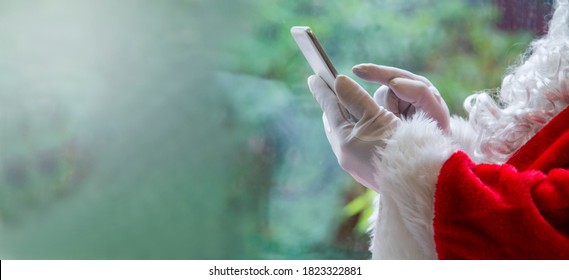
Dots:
(453, 43)
(361, 206)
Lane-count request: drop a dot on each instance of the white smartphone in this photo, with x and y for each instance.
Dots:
(314, 54)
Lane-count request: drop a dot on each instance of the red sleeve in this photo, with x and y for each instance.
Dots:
(496, 212)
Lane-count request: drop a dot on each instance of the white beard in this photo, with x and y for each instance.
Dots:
(532, 94)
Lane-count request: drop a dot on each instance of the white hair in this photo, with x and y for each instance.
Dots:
(531, 95)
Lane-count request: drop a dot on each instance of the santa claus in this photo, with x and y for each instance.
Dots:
(495, 186)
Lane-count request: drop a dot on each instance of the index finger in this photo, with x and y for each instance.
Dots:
(383, 74)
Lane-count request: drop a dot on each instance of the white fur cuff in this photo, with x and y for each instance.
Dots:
(407, 171)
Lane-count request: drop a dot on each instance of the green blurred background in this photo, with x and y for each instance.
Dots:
(144, 129)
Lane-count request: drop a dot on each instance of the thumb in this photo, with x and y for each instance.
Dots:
(354, 98)
(424, 98)
(328, 101)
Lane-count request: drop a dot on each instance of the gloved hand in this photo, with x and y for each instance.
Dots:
(404, 93)
(355, 125)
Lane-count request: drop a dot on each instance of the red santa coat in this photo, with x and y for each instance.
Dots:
(518, 210)
(435, 202)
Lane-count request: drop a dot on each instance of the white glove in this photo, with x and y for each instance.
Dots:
(355, 125)
(404, 93)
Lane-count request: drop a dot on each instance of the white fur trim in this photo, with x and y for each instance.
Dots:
(407, 171)
(463, 135)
